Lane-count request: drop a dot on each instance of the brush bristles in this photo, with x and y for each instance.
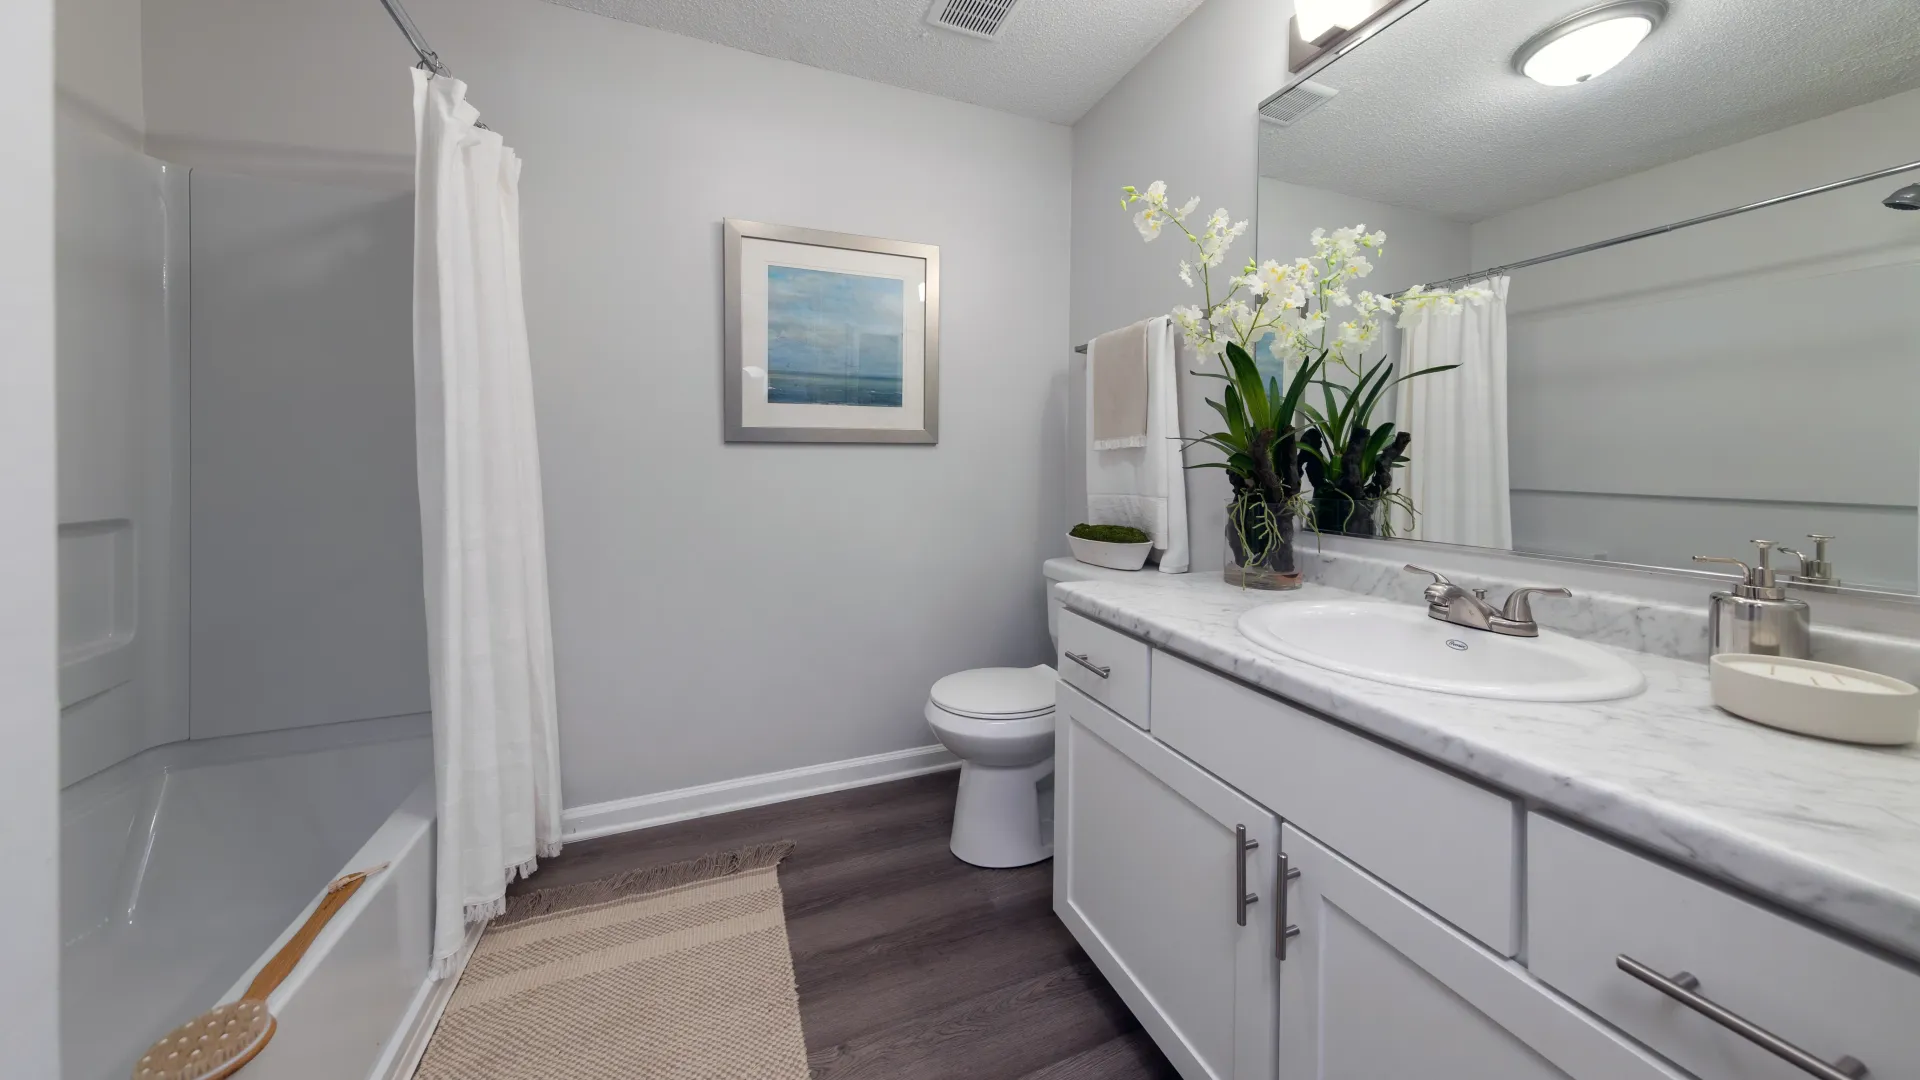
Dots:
(208, 1045)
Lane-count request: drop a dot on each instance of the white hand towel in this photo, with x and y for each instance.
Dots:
(1145, 486)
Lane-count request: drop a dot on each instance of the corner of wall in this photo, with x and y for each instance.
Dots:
(1185, 114)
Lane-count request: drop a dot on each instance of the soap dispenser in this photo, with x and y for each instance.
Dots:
(1756, 615)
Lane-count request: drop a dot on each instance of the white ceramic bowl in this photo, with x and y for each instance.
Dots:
(1111, 556)
(1824, 700)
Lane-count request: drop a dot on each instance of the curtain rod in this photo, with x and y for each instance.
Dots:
(1462, 279)
(428, 58)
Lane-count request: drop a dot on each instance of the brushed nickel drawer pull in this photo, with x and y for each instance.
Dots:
(1684, 988)
(1282, 929)
(1081, 659)
(1243, 897)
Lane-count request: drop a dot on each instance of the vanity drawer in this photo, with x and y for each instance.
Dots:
(1106, 665)
(1591, 902)
(1449, 845)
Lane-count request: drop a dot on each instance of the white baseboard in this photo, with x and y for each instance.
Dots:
(409, 1045)
(644, 811)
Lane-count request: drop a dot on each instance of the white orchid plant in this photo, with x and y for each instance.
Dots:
(1317, 320)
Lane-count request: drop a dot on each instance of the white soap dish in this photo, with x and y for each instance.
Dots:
(1827, 701)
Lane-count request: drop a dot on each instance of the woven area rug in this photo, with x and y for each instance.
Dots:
(677, 972)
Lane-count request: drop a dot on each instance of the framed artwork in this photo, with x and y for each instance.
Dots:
(830, 337)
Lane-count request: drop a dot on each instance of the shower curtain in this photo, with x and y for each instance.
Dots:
(490, 646)
(1457, 473)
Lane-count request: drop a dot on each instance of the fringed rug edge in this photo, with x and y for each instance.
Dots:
(641, 882)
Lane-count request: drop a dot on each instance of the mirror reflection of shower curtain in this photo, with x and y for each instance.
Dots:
(489, 638)
(1457, 471)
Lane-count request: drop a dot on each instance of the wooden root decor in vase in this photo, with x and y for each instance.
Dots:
(1260, 551)
(1347, 499)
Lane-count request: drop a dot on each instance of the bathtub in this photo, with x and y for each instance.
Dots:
(184, 868)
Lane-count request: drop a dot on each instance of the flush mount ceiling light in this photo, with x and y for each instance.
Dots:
(1316, 17)
(1588, 43)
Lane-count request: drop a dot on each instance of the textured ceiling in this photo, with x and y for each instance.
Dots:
(1430, 115)
(1052, 60)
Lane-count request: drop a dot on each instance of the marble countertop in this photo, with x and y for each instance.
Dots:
(1828, 830)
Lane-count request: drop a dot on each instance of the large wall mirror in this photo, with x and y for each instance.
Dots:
(1754, 375)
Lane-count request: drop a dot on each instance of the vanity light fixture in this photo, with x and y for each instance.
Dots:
(1317, 17)
(1588, 43)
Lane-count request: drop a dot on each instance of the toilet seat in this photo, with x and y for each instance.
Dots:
(996, 693)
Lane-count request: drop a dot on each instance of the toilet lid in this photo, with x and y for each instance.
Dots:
(996, 693)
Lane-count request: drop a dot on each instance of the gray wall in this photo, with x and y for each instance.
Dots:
(1751, 377)
(719, 611)
(1421, 247)
(304, 511)
(1185, 114)
(30, 934)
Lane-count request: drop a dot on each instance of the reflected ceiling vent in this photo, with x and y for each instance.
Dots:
(974, 18)
(1296, 101)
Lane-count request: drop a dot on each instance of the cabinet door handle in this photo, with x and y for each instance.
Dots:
(1684, 988)
(1242, 898)
(1081, 659)
(1282, 929)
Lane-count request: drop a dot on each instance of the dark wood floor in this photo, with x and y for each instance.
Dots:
(912, 965)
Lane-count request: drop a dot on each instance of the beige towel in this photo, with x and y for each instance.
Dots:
(1117, 381)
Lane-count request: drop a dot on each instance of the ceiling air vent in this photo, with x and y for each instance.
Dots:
(975, 18)
(1295, 102)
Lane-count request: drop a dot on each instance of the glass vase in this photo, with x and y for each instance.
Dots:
(1339, 513)
(1260, 551)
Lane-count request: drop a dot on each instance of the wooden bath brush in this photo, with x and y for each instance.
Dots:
(221, 1042)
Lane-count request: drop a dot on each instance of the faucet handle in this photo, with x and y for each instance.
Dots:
(1436, 593)
(1519, 603)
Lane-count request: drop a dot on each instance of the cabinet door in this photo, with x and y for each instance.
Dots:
(1148, 873)
(1373, 986)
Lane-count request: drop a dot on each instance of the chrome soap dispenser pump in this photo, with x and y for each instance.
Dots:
(1756, 615)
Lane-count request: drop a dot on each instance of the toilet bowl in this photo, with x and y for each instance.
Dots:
(999, 723)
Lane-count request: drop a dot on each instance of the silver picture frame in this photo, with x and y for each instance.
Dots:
(737, 233)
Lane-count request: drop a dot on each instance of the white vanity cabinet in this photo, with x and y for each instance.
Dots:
(1374, 985)
(1396, 919)
(1153, 878)
(1598, 913)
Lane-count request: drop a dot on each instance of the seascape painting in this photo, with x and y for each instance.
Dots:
(1269, 365)
(834, 338)
(830, 337)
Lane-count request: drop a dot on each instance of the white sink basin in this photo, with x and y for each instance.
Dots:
(1400, 644)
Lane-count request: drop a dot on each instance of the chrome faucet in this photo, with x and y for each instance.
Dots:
(1450, 603)
(1815, 569)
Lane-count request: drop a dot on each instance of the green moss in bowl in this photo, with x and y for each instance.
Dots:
(1109, 534)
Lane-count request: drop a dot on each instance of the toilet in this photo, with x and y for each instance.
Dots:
(999, 723)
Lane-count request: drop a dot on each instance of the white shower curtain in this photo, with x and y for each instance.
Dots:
(1457, 471)
(490, 646)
